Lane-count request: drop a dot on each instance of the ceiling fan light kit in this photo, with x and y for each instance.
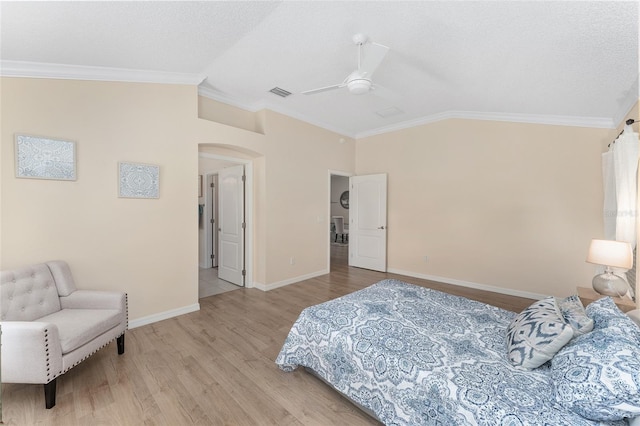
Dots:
(359, 86)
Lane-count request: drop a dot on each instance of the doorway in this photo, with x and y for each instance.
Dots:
(367, 223)
(338, 232)
(215, 217)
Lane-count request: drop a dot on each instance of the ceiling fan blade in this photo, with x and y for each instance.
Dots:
(372, 56)
(323, 89)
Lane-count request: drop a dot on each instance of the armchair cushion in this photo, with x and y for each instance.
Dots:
(79, 326)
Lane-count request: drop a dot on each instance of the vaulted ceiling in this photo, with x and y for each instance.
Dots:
(569, 63)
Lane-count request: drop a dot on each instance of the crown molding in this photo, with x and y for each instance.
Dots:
(229, 100)
(592, 122)
(76, 72)
(81, 72)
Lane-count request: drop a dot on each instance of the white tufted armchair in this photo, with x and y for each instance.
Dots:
(48, 326)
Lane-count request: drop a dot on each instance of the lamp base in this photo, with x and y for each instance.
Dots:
(609, 284)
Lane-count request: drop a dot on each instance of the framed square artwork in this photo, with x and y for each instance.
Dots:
(136, 180)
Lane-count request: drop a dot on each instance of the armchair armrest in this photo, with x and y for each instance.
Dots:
(31, 352)
(94, 299)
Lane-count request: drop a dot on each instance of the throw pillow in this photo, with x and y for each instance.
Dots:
(605, 313)
(536, 334)
(597, 375)
(574, 314)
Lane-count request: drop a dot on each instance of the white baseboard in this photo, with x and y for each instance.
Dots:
(163, 315)
(267, 287)
(469, 284)
(139, 322)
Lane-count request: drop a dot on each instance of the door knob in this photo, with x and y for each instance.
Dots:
(380, 227)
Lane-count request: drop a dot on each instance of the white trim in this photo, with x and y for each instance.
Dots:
(248, 205)
(150, 319)
(590, 122)
(272, 286)
(229, 100)
(470, 284)
(82, 72)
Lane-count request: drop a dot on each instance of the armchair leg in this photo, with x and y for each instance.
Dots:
(50, 394)
(120, 342)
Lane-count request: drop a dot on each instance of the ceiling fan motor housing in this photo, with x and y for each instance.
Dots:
(358, 86)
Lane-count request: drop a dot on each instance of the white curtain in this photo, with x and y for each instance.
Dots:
(620, 170)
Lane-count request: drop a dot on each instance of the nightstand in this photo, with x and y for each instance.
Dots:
(588, 295)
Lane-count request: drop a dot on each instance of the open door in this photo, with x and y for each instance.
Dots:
(231, 225)
(368, 222)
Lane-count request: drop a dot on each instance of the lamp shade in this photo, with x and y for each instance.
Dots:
(610, 253)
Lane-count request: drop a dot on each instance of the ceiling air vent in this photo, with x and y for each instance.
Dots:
(389, 112)
(280, 92)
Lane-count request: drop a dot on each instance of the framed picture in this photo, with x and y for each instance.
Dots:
(44, 158)
(138, 180)
(344, 200)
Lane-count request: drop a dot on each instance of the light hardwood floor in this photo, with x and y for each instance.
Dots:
(212, 367)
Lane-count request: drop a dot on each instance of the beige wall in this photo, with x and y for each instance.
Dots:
(147, 248)
(502, 204)
(498, 204)
(291, 189)
(298, 159)
(219, 112)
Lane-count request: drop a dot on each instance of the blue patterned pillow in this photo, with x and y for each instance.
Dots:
(536, 334)
(597, 375)
(605, 313)
(574, 314)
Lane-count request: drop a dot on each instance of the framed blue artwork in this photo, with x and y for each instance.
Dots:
(44, 158)
(138, 180)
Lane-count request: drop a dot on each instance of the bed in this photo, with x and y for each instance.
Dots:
(409, 355)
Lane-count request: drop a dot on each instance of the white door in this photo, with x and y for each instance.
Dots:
(231, 225)
(368, 222)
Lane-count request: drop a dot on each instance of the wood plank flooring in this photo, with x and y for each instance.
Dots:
(213, 367)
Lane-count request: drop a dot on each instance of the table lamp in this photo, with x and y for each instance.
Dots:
(610, 254)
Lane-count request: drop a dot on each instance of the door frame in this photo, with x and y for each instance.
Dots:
(332, 173)
(248, 211)
(212, 235)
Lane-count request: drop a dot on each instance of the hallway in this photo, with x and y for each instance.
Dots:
(209, 284)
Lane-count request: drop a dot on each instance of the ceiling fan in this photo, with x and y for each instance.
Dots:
(359, 81)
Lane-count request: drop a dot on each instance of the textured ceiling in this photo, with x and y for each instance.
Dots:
(573, 62)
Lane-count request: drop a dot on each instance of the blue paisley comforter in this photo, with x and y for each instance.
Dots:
(416, 356)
